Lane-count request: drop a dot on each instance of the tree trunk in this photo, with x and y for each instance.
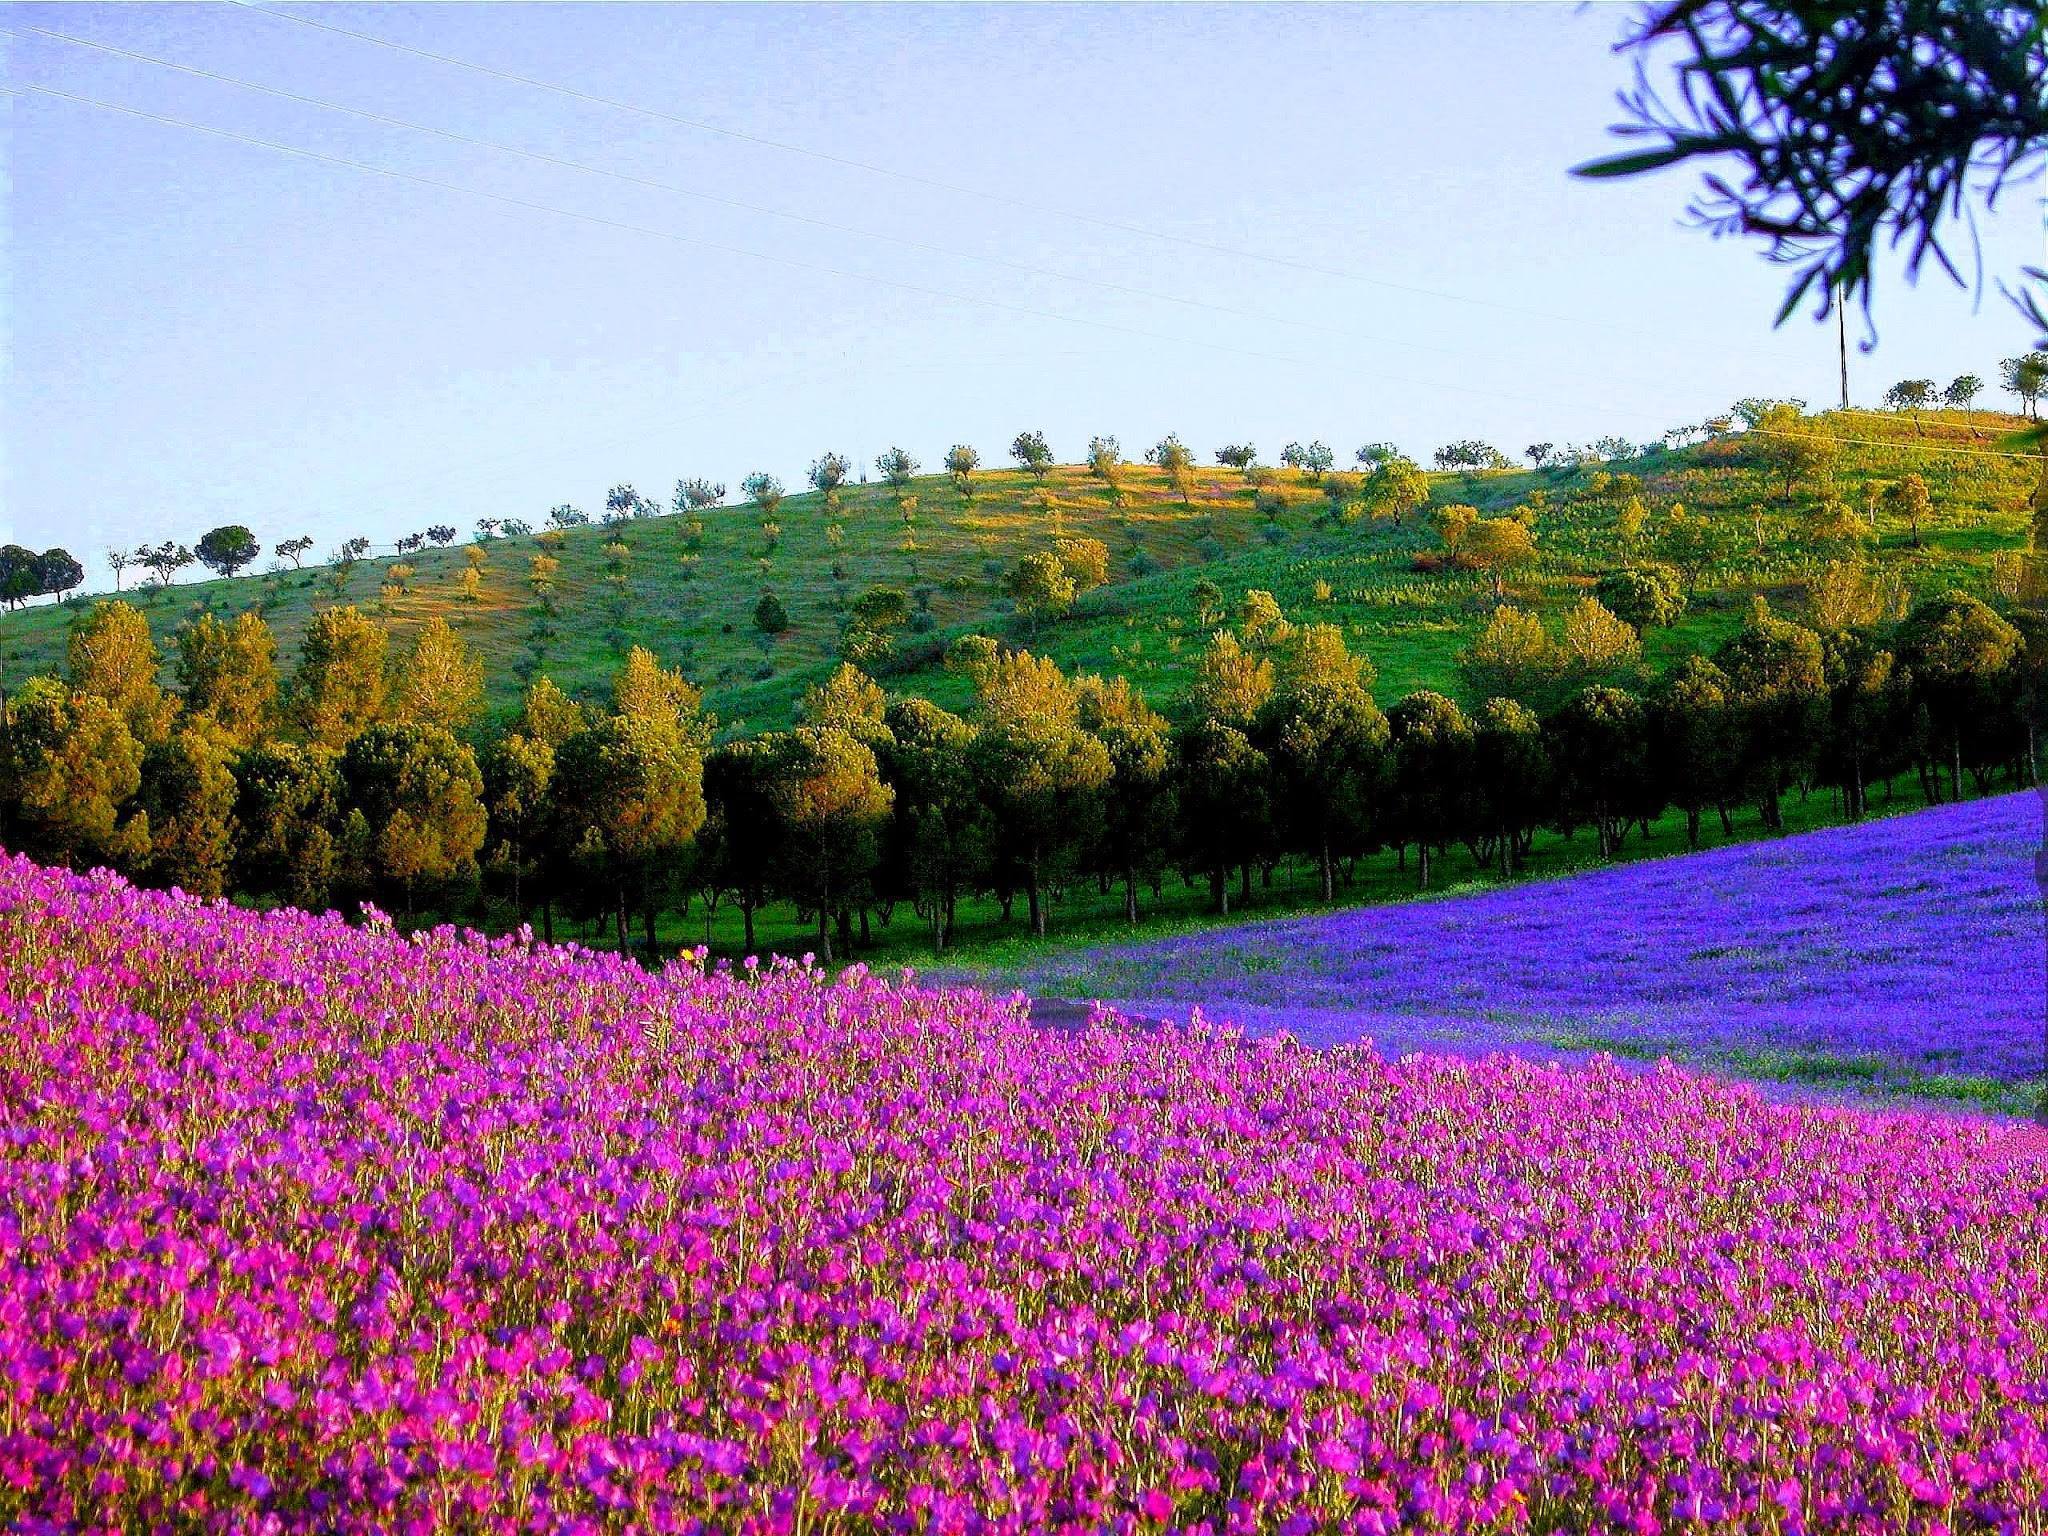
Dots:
(1219, 890)
(747, 920)
(1130, 894)
(647, 920)
(1692, 826)
(824, 926)
(1035, 906)
(1422, 863)
(1329, 872)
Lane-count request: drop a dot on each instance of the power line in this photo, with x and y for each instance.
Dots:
(963, 190)
(786, 261)
(812, 220)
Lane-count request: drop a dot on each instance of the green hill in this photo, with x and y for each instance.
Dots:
(689, 592)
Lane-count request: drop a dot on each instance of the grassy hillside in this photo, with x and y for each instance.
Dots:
(690, 596)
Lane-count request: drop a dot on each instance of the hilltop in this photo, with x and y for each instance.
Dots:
(688, 585)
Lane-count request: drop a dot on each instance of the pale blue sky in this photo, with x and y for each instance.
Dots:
(202, 330)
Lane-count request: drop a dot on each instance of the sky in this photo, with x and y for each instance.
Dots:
(1265, 224)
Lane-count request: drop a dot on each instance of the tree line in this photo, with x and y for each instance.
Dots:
(368, 775)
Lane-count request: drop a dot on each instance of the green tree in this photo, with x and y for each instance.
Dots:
(1041, 773)
(1962, 392)
(1957, 652)
(518, 776)
(439, 682)
(1795, 447)
(1395, 487)
(69, 767)
(1499, 546)
(225, 550)
(629, 801)
(1032, 454)
(1326, 743)
(228, 672)
(741, 840)
(188, 793)
(1513, 657)
(2025, 378)
(1599, 741)
(897, 469)
(1906, 500)
(420, 794)
(1040, 587)
(770, 617)
(1912, 396)
(1510, 784)
(1224, 798)
(764, 490)
(962, 460)
(831, 806)
(112, 656)
(1178, 465)
(939, 835)
(287, 810)
(1778, 682)
(337, 688)
(1431, 760)
(1138, 804)
(1085, 560)
(549, 715)
(1694, 742)
(1643, 596)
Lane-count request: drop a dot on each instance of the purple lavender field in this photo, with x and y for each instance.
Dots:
(1903, 954)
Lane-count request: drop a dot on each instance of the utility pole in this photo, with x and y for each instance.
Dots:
(1842, 340)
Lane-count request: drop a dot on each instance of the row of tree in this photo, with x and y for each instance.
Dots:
(361, 775)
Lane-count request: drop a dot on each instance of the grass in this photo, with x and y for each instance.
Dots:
(691, 600)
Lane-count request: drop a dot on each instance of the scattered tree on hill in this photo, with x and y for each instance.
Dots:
(770, 617)
(697, 495)
(1962, 392)
(1513, 657)
(1597, 645)
(1178, 464)
(1906, 499)
(1470, 454)
(1237, 456)
(1539, 454)
(1031, 451)
(225, 550)
(1394, 488)
(1796, 447)
(443, 534)
(962, 460)
(1911, 395)
(764, 490)
(293, 549)
(1373, 455)
(897, 469)
(1499, 546)
(1311, 461)
(1085, 560)
(2026, 379)
(1643, 596)
(567, 516)
(118, 561)
(1040, 587)
(164, 560)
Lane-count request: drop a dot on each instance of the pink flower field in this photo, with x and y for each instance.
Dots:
(306, 1226)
